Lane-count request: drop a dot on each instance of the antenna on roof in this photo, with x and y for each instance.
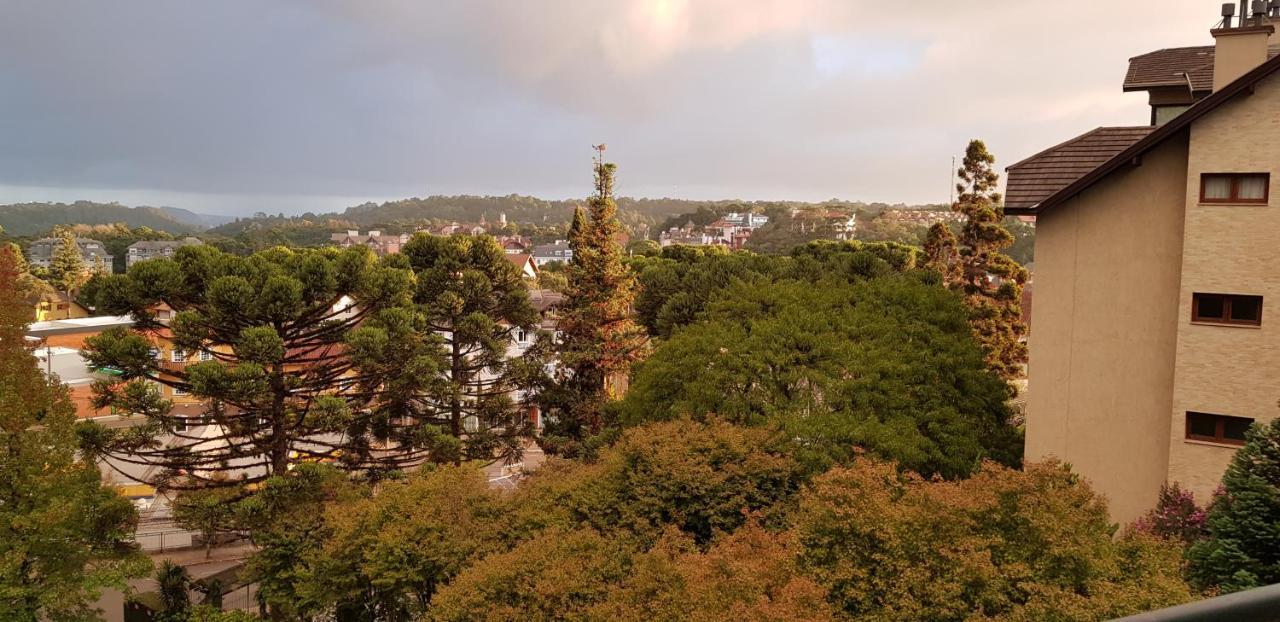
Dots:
(1228, 11)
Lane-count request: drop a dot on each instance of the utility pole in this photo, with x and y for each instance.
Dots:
(951, 184)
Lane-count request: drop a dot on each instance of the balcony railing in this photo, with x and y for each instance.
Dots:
(1256, 605)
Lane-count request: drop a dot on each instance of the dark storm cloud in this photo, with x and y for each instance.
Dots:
(274, 102)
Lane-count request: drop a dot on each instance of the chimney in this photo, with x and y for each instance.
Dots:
(1240, 49)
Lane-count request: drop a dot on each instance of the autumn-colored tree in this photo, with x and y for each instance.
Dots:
(1034, 544)
(1175, 517)
(67, 268)
(385, 556)
(65, 535)
(941, 255)
(599, 339)
(1241, 550)
(989, 280)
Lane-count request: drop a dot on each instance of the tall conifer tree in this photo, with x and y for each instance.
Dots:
(990, 280)
(67, 268)
(599, 340)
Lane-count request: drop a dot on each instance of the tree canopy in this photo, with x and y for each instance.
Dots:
(66, 536)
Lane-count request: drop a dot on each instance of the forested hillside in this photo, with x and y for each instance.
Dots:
(25, 219)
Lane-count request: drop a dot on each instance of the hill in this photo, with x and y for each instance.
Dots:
(26, 219)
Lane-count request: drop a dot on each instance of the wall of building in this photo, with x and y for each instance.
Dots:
(1104, 330)
(1228, 370)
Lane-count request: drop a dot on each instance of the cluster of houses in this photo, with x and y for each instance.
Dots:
(522, 252)
(922, 217)
(732, 230)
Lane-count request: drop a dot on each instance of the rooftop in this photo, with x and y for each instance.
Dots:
(1044, 174)
(1189, 66)
(80, 324)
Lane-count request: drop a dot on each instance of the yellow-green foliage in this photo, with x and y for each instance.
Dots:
(1002, 545)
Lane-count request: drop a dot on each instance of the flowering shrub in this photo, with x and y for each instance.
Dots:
(1175, 517)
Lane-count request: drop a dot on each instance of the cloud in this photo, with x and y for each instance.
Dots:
(804, 99)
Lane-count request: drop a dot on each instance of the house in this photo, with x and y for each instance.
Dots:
(528, 268)
(155, 249)
(55, 305)
(1155, 341)
(513, 244)
(688, 235)
(378, 242)
(544, 254)
(94, 253)
(842, 223)
(746, 220)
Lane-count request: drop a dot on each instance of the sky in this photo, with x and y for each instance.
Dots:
(238, 106)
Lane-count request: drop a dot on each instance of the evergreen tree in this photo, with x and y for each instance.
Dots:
(941, 255)
(67, 269)
(1243, 546)
(296, 356)
(473, 297)
(990, 281)
(599, 339)
(65, 536)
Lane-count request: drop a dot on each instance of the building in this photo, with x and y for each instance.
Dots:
(525, 264)
(1155, 340)
(544, 254)
(54, 305)
(155, 249)
(379, 243)
(40, 253)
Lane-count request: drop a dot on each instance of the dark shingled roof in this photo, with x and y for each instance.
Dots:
(1175, 67)
(1134, 152)
(1040, 176)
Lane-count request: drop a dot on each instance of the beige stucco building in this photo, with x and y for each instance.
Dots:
(1155, 341)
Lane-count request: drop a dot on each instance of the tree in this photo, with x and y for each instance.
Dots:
(210, 511)
(990, 281)
(304, 356)
(67, 269)
(599, 339)
(887, 364)
(173, 585)
(65, 535)
(1243, 522)
(1175, 517)
(941, 255)
(474, 298)
(384, 557)
(1034, 544)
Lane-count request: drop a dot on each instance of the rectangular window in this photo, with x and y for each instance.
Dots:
(178, 356)
(522, 336)
(1217, 428)
(1227, 309)
(1235, 188)
(179, 392)
(206, 356)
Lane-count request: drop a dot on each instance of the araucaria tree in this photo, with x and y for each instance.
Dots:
(295, 356)
(473, 297)
(64, 534)
(990, 280)
(1243, 546)
(599, 339)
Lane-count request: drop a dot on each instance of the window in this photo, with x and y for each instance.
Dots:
(522, 336)
(178, 356)
(178, 392)
(1227, 309)
(206, 356)
(1235, 188)
(1217, 428)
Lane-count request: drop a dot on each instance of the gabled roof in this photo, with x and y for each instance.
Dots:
(1189, 66)
(1133, 153)
(1039, 176)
